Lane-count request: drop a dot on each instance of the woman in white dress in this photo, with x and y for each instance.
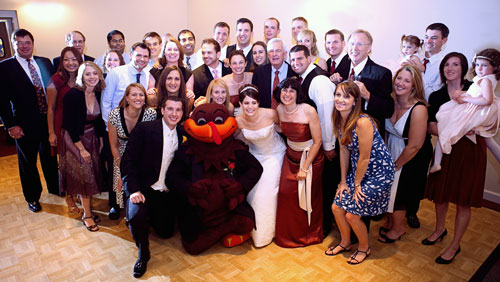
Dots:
(257, 130)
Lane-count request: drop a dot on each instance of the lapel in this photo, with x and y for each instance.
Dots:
(290, 72)
(157, 146)
(45, 70)
(208, 73)
(19, 72)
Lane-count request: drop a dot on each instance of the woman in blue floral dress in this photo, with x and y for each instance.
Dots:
(365, 191)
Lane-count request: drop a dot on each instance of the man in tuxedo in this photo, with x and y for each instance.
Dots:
(211, 69)
(374, 81)
(23, 110)
(188, 43)
(74, 39)
(271, 29)
(269, 76)
(334, 46)
(244, 33)
(144, 164)
(320, 90)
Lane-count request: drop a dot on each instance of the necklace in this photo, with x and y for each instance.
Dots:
(293, 111)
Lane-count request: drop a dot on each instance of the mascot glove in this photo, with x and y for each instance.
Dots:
(233, 191)
(198, 193)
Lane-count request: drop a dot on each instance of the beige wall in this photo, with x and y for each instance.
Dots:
(473, 27)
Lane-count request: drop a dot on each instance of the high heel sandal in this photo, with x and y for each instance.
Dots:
(388, 240)
(382, 230)
(72, 207)
(440, 260)
(91, 228)
(428, 242)
(354, 261)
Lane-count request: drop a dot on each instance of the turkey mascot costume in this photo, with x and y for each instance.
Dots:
(213, 172)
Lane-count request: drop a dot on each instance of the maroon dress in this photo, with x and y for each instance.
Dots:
(62, 88)
(292, 228)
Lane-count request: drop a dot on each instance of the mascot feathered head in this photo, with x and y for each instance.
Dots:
(210, 123)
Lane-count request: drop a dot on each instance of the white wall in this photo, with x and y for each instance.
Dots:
(473, 26)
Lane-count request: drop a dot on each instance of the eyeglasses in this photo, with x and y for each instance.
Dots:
(358, 44)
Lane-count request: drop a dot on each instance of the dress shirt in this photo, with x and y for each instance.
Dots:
(117, 81)
(431, 78)
(100, 60)
(24, 63)
(338, 59)
(282, 75)
(245, 50)
(357, 70)
(170, 145)
(321, 91)
(219, 70)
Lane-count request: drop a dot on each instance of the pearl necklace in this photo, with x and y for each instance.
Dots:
(293, 111)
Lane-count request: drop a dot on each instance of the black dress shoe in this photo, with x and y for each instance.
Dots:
(114, 213)
(440, 260)
(413, 221)
(140, 266)
(428, 242)
(34, 206)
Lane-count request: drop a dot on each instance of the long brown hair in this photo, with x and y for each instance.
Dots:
(350, 88)
(62, 71)
(162, 89)
(417, 93)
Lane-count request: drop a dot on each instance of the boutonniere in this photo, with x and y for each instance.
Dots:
(230, 167)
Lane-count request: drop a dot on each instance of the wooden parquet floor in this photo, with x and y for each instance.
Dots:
(54, 246)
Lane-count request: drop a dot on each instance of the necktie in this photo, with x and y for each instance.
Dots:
(276, 81)
(37, 83)
(216, 73)
(351, 75)
(188, 63)
(138, 78)
(300, 79)
(425, 61)
(332, 68)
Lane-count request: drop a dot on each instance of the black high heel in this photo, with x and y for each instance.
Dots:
(428, 242)
(440, 260)
(388, 240)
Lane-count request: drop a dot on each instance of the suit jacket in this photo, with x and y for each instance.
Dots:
(18, 101)
(202, 77)
(262, 79)
(57, 60)
(378, 80)
(141, 162)
(249, 56)
(344, 62)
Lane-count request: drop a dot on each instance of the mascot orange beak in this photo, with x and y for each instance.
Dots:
(211, 132)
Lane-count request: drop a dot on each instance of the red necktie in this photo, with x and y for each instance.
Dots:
(351, 75)
(276, 81)
(300, 79)
(37, 83)
(332, 68)
(425, 63)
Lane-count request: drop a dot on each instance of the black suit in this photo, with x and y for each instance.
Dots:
(202, 77)
(57, 60)
(377, 80)
(262, 79)
(140, 168)
(19, 107)
(343, 63)
(249, 56)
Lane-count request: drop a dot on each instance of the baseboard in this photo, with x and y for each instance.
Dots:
(491, 200)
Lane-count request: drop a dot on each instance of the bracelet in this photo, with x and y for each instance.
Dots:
(306, 171)
(342, 182)
(357, 185)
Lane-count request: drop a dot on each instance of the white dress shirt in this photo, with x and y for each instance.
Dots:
(431, 77)
(170, 145)
(24, 63)
(321, 91)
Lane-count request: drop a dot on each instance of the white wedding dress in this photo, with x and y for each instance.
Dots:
(269, 149)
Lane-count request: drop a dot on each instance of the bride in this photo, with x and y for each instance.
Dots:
(256, 127)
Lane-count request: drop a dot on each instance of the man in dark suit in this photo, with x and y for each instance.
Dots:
(74, 39)
(374, 81)
(244, 33)
(23, 109)
(144, 164)
(268, 76)
(334, 46)
(211, 69)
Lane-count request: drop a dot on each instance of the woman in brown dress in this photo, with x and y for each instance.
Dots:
(299, 217)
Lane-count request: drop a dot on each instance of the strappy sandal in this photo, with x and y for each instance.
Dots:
(72, 207)
(91, 228)
(329, 251)
(354, 261)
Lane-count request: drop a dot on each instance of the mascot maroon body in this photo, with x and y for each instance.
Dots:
(213, 173)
